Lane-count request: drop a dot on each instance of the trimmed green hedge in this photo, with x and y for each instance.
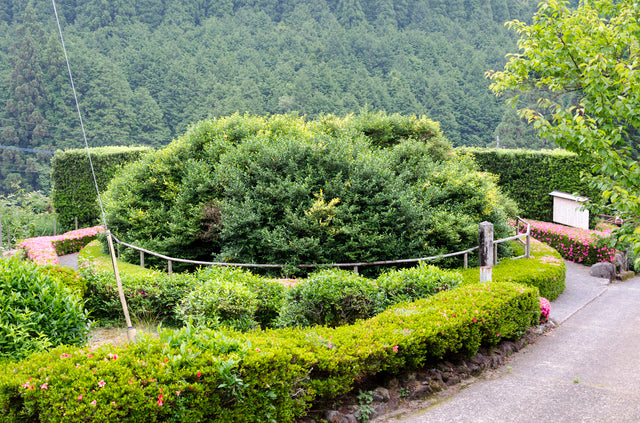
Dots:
(74, 191)
(260, 376)
(529, 176)
(545, 270)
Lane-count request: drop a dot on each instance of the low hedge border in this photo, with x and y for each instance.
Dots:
(261, 376)
(545, 270)
(574, 244)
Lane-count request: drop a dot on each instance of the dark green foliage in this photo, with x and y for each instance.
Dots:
(528, 177)
(261, 376)
(284, 190)
(331, 298)
(74, 191)
(37, 311)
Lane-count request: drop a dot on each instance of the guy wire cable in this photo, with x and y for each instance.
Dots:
(131, 332)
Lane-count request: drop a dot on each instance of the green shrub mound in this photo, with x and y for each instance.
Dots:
(545, 270)
(217, 302)
(37, 311)
(329, 297)
(260, 376)
(410, 284)
(284, 190)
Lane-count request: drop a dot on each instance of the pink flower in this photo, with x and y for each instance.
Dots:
(199, 374)
(395, 348)
(160, 401)
(80, 396)
(102, 383)
(44, 386)
(94, 403)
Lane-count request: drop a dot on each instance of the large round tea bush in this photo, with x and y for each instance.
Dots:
(329, 297)
(36, 311)
(283, 190)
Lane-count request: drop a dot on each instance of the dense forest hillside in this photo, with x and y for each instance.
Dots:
(146, 69)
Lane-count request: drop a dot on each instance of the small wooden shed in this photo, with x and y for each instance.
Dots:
(567, 210)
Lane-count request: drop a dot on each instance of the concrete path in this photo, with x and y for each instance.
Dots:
(585, 370)
(69, 260)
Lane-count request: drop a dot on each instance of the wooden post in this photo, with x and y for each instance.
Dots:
(486, 252)
(142, 259)
(169, 267)
(466, 260)
(355, 269)
(131, 332)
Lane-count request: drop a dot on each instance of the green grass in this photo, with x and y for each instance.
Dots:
(93, 253)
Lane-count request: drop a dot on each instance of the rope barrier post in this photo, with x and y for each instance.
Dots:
(355, 269)
(131, 331)
(466, 260)
(142, 259)
(169, 267)
(486, 251)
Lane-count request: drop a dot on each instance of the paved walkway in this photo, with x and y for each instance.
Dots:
(69, 260)
(585, 370)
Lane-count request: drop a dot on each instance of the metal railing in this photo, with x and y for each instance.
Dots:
(354, 265)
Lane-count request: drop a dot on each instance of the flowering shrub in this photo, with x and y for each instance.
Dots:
(545, 309)
(46, 249)
(574, 244)
(273, 375)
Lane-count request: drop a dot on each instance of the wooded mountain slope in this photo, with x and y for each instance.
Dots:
(146, 69)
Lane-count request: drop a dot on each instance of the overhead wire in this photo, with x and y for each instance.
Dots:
(131, 332)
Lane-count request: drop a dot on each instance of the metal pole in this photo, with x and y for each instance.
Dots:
(486, 252)
(131, 332)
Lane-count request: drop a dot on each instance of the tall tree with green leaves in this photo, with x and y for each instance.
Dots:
(591, 52)
(25, 126)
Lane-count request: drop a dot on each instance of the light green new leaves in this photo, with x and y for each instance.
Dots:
(584, 63)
